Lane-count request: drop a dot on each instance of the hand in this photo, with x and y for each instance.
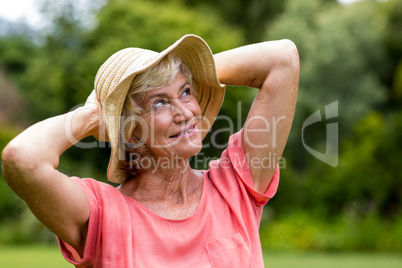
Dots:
(93, 105)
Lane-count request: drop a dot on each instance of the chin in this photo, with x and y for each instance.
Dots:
(187, 152)
(187, 147)
(180, 150)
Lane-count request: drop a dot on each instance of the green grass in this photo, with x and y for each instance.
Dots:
(283, 259)
(50, 257)
(37, 256)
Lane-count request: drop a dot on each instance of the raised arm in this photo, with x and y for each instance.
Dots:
(29, 167)
(272, 67)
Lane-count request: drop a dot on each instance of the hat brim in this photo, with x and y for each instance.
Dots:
(194, 52)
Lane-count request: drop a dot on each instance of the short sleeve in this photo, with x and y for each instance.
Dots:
(233, 161)
(68, 251)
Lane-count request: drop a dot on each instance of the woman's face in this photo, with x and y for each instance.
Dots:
(171, 122)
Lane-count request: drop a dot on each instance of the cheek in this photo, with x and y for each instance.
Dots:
(162, 119)
(195, 107)
(159, 124)
(145, 128)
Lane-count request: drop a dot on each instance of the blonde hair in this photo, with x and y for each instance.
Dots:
(156, 77)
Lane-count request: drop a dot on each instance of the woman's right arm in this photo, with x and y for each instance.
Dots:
(29, 167)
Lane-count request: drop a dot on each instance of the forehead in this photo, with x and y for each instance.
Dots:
(175, 85)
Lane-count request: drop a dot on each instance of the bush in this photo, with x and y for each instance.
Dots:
(304, 231)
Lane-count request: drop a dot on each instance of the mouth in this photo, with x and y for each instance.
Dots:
(185, 133)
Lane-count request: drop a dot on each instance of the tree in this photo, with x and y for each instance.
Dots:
(341, 52)
(252, 16)
(393, 41)
(343, 57)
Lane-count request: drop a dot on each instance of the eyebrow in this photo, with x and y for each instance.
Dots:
(163, 94)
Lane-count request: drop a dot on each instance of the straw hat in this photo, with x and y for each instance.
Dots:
(114, 78)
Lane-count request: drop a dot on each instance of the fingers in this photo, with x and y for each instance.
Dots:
(92, 98)
(94, 104)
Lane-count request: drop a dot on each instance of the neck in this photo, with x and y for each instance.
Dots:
(172, 182)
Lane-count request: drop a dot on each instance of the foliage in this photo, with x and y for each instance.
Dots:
(8, 200)
(298, 230)
(252, 16)
(393, 33)
(24, 229)
(393, 41)
(346, 53)
(16, 52)
(366, 181)
(340, 49)
(318, 259)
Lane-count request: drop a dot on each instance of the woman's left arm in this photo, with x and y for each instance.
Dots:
(273, 67)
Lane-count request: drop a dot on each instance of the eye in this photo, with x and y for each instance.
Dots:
(159, 103)
(187, 92)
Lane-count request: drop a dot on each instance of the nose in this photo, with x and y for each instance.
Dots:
(182, 113)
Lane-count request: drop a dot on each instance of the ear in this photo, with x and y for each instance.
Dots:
(138, 135)
(133, 139)
(134, 142)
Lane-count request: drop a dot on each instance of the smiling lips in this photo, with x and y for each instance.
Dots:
(185, 133)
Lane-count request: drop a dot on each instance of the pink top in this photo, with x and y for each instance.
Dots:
(222, 232)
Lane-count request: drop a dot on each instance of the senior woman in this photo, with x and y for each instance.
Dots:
(156, 109)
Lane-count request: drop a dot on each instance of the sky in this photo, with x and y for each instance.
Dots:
(26, 10)
(20, 10)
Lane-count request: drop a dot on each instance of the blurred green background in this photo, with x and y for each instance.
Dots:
(351, 54)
